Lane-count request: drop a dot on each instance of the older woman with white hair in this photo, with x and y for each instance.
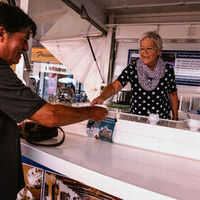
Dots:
(153, 87)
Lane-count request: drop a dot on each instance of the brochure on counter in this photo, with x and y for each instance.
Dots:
(101, 130)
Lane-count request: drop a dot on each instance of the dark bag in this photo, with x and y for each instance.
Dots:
(35, 133)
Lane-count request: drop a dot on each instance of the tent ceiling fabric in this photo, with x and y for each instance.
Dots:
(57, 16)
(70, 25)
(49, 13)
(56, 20)
(152, 11)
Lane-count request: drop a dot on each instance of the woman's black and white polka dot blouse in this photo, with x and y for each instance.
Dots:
(157, 101)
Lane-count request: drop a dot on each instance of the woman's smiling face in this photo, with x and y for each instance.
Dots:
(149, 52)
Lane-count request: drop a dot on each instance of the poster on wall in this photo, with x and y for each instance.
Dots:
(64, 188)
(186, 65)
(42, 183)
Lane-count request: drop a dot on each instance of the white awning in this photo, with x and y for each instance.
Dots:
(63, 32)
(77, 57)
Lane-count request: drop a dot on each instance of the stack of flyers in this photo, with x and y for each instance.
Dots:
(101, 130)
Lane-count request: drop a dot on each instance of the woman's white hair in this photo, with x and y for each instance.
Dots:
(153, 35)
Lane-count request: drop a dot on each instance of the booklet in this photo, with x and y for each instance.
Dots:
(101, 130)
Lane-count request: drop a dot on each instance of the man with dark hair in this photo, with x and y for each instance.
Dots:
(18, 102)
(14, 20)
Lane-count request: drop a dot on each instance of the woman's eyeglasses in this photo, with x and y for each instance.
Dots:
(148, 49)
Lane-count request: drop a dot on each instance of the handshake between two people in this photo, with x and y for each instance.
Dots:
(98, 112)
(97, 103)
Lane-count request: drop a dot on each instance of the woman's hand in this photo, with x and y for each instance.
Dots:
(97, 100)
(107, 92)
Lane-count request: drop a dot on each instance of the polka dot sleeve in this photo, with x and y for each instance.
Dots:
(124, 77)
(171, 80)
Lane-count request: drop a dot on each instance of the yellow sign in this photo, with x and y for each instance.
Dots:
(40, 54)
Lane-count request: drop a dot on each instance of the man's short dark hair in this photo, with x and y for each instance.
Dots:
(13, 19)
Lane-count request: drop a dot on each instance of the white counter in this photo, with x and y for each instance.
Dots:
(171, 137)
(125, 172)
(145, 162)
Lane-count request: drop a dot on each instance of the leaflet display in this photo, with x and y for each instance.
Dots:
(101, 130)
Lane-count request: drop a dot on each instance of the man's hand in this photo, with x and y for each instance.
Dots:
(59, 115)
(97, 100)
(98, 113)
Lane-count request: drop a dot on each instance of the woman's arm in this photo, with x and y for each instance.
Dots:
(174, 104)
(107, 92)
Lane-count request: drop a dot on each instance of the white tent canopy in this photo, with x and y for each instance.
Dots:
(77, 57)
(63, 32)
(56, 20)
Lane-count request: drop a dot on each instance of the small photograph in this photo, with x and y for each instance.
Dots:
(93, 128)
(58, 187)
(101, 130)
(33, 177)
(107, 128)
(106, 133)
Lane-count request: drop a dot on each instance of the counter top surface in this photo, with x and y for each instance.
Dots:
(160, 173)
